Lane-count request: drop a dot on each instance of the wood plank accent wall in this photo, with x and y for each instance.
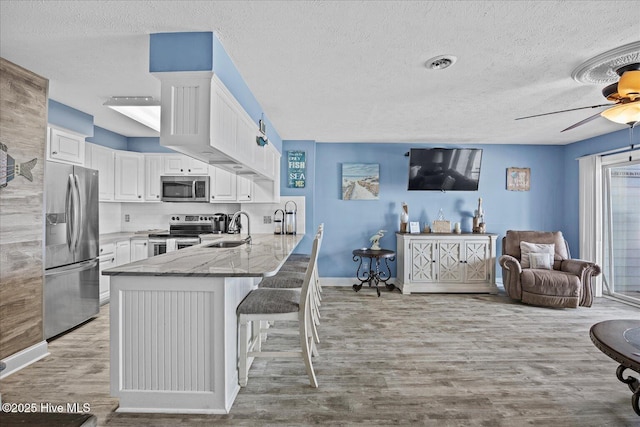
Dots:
(23, 127)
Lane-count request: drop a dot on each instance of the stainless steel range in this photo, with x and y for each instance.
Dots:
(184, 231)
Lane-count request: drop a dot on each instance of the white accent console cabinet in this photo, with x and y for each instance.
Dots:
(446, 263)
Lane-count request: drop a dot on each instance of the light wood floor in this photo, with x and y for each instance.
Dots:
(441, 360)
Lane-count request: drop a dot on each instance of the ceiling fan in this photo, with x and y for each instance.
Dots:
(625, 95)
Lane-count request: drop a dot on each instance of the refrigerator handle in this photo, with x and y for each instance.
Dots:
(193, 189)
(80, 266)
(77, 226)
(68, 207)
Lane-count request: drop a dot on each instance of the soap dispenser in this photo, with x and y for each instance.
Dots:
(290, 218)
(278, 223)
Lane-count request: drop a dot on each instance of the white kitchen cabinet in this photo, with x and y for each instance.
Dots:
(179, 164)
(107, 259)
(139, 249)
(446, 262)
(129, 174)
(268, 190)
(123, 252)
(102, 159)
(65, 146)
(223, 185)
(224, 122)
(246, 144)
(244, 189)
(202, 119)
(153, 170)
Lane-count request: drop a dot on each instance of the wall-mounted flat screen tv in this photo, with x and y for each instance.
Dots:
(444, 169)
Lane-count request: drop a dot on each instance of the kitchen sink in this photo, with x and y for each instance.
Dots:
(226, 244)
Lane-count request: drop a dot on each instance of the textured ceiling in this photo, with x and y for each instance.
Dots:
(344, 71)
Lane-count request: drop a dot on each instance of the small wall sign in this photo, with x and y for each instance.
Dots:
(518, 179)
(296, 169)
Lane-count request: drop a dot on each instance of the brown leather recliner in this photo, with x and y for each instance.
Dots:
(567, 284)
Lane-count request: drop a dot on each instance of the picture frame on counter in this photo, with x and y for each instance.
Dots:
(414, 227)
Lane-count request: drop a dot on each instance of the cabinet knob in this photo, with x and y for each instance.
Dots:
(157, 196)
(139, 196)
(145, 244)
(55, 152)
(181, 170)
(189, 170)
(213, 197)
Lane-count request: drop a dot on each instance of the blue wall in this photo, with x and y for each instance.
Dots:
(551, 204)
(109, 139)
(147, 145)
(309, 147)
(349, 224)
(69, 118)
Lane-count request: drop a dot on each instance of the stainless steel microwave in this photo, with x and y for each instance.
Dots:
(184, 188)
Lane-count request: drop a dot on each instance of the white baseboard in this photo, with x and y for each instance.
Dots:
(24, 358)
(343, 281)
(350, 281)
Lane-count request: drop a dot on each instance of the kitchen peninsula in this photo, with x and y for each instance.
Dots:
(173, 324)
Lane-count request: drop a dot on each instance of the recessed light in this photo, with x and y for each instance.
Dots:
(440, 62)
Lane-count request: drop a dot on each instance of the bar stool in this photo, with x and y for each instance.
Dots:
(268, 305)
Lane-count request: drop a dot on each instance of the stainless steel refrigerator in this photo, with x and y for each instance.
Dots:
(71, 286)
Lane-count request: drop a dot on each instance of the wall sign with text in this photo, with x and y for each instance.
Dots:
(296, 169)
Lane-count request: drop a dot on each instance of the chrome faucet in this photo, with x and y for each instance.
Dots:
(233, 222)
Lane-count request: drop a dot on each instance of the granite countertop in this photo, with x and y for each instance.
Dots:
(262, 258)
(125, 235)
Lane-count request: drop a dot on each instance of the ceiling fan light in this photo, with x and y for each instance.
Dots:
(611, 92)
(623, 113)
(629, 85)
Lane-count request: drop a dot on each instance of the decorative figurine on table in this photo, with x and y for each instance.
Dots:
(478, 220)
(375, 239)
(404, 218)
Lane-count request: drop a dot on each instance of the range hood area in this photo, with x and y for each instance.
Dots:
(201, 119)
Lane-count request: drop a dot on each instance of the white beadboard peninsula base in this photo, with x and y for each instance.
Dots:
(174, 342)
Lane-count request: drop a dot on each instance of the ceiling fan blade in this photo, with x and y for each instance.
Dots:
(580, 123)
(564, 111)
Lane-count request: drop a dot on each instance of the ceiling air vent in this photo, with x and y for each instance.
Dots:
(440, 62)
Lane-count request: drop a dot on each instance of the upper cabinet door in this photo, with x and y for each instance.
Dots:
(153, 169)
(175, 164)
(65, 146)
(196, 167)
(129, 171)
(223, 185)
(102, 159)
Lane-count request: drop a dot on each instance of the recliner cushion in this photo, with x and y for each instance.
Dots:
(550, 282)
(527, 248)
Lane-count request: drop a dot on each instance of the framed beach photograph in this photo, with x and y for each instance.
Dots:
(518, 179)
(360, 181)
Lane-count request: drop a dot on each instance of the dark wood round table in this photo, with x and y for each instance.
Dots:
(373, 275)
(620, 340)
